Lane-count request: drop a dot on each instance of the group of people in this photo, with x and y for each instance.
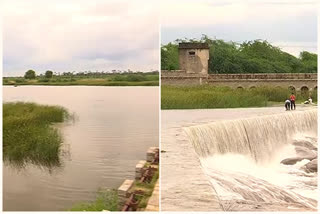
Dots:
(291, 102)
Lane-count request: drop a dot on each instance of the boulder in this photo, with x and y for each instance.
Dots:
(305, 144)
(312, 166)
(305, 152)
(291, 161)
(294, 160)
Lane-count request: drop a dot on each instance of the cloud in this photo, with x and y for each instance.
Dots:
(240, 20)
(78, 35)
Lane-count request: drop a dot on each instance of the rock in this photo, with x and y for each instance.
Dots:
(305, 144)
(306, 152)
(291, 161)
(312, 166)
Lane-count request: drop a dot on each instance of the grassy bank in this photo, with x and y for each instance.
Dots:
(147, 188)
(28, 136)
(106, 200)
(206, 96)
(102, 80)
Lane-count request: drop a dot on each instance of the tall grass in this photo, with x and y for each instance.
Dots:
(106, 200)
(208, 96)
(28, 136)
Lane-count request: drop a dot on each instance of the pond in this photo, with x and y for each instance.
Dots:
(111, 131)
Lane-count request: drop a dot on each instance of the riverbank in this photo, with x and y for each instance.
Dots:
(185, 187)
(28, 135)
(207, 96)
(140, 194)
(134, 79)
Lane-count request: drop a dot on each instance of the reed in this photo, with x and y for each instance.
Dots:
(28, 135)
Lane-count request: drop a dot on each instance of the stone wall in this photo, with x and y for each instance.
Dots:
(297, 81)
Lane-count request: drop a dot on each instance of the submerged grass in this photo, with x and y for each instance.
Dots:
(207, 96)
(28, 136)
(106, 200)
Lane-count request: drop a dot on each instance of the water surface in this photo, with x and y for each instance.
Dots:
(112, 130)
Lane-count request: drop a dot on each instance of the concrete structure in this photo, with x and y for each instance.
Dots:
(304, 82)
(151, 153)
(139, 169)
(153, 203)
(123, 192)
(194, 58)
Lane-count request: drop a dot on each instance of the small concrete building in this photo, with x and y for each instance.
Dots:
(194, 57)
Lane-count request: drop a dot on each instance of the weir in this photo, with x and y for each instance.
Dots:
(258, 137)
(241, 159)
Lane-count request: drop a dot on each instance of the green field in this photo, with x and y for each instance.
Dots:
(206, 97)
(134, 79)
(28, 135)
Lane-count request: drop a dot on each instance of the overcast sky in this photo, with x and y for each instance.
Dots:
(79, 35)
(290, 24)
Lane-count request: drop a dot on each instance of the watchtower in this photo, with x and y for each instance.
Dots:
(194, 57)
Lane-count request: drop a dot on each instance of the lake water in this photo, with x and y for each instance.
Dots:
(112, 130)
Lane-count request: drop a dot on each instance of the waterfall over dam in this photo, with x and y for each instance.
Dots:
(242, 160)
(258, 137)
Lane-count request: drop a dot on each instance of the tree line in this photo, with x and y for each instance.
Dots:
(31, 74)
(257, 56)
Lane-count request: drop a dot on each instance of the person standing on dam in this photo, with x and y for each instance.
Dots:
(293, 101)
(287, 104)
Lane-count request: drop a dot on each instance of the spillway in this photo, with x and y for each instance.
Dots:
(242, 160)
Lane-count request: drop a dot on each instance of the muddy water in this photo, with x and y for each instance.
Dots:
(112, 130)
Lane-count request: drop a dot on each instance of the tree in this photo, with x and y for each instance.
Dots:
(30, 74)
(258, 56)
(49, 74)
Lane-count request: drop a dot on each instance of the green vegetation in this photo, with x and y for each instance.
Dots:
(206, 96)
(147, 189)
(30, 74)
(249, 57)
(86, 78)
(106, 200)
(48, 74)
(28, 136)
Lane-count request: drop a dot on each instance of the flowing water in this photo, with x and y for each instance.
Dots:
(111, 132)
(242, 161)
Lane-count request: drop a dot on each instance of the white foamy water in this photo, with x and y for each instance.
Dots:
(242, 160)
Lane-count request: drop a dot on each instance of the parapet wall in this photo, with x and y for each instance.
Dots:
(297, 81)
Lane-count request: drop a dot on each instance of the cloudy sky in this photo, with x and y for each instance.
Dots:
(289, 24)
(79, 35)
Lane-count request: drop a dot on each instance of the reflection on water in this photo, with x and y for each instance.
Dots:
(113, 128)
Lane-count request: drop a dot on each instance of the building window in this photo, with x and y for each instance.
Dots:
(192, 53)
